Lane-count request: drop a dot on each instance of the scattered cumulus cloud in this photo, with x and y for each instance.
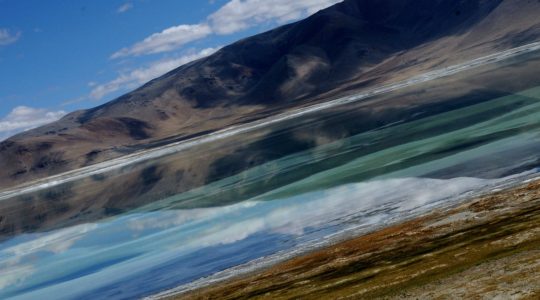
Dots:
(22, 118)
(7, 37)
(169, 39)
(140, 76)
(238, 15)
(124, 7)
(234, 16)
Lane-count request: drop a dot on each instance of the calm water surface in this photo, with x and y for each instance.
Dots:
(265, 194)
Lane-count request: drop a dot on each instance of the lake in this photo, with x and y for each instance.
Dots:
(249, 199)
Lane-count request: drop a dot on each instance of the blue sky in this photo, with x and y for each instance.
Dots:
(59, 56)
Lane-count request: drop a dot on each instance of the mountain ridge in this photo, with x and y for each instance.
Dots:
(352, 45)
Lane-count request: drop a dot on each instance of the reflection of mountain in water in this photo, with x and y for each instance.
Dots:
(143, 253)
(350, 46)
(266, 194)
(474, 124)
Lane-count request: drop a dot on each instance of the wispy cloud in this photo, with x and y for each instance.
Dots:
(124, 7)
(56, 242)
(16, 268)
(169, 39)
(22, 118)
(239, 15)
(12, 276)
(371, 203)
(139, 76)
(74, 100)
(234, 16)
(147, 236)
(7, 37)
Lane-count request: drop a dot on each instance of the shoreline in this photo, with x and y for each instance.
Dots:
(421, 257)
(175, 147)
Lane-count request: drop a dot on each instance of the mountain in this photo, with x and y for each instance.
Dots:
(343, 49)
(347, 48)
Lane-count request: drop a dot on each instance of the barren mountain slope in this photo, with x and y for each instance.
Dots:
(351, 46)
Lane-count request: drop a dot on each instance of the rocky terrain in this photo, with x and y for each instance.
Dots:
(351, 46)
(486, 248)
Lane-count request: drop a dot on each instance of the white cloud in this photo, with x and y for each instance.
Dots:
(22, 118)
(6, 37)
(174, 218)
(169, 39)
(139, 76)
(55, 242)
(16, 271)
(368, 203)
(124, 7)
(234, 16)
(13, 276)
(164, 236)
(238, 15)
(74, 101)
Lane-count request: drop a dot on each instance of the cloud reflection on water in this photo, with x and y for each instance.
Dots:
(152, 239)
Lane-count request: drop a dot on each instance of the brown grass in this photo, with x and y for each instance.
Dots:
(429, 257)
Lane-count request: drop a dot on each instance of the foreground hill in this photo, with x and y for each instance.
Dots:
(337, 51)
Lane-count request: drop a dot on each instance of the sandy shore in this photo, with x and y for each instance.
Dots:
(488, 247)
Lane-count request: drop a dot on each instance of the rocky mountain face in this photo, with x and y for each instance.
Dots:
(348, 47)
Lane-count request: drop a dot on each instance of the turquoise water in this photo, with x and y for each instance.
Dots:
(262, 196)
